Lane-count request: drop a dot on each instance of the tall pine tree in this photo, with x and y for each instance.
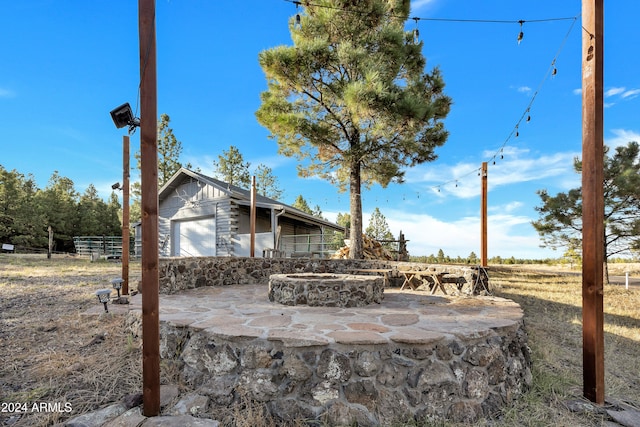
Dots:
(351, 98)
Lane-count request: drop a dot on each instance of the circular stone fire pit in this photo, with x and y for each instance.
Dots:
(325, 289)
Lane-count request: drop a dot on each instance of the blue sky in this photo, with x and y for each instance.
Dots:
(66, 63)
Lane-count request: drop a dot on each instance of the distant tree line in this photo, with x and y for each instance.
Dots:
(441, 258)
(27, 212)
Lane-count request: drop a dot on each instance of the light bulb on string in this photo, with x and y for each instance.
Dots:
(521, 34)
(298, 23)
(416, 32)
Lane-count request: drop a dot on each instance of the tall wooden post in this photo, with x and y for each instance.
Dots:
(483, 216)
(252, 219)
(592, 200)
(125, 215)
(50, 248)
(149, 202)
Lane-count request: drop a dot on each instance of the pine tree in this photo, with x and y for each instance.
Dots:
(351, 99)
(378, 229)
(232, 169)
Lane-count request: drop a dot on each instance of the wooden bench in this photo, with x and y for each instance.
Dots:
(409, 275)
(385, 272)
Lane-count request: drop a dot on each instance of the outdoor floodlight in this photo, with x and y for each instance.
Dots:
(104, 295)
(117, 285)
(116, 186)
(123, 116)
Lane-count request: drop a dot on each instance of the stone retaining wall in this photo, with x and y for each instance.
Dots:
(182, 273)
(454, 377)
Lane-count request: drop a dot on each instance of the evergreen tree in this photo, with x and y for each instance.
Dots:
(352, 99)
(560, 223)
(89, 223)
(169, 150)
(58, 203)
(301, 204)
(267, 183)
(21, 222)
(232, 169)
(378, 229)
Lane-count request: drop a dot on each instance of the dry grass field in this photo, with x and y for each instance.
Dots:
(51, 353)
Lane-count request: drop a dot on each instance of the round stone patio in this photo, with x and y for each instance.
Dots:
(414, 355)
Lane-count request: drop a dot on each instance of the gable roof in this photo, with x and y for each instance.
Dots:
(241, 196)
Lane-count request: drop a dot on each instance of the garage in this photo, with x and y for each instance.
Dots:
(195, 237)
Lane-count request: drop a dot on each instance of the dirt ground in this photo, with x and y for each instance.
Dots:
(57, 362)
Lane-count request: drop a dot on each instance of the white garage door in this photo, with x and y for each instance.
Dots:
(195, 238)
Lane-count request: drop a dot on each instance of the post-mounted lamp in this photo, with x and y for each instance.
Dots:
(117, 285)
(104, 295)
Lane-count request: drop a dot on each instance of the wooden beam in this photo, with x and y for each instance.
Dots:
(125, 215)
(483, 216)
(149, 202)
(592, 200)
(252, 220)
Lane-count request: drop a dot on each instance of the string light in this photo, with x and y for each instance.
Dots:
(416, 34)
(521, 34)
(298, 24)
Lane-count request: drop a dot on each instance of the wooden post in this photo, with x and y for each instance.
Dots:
(125, 215)
(50, 249)
(149, 202)
(483, 216)
(592, 200)
(252, 220)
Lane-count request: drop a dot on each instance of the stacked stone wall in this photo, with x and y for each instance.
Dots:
(458, 378)
(180, 273)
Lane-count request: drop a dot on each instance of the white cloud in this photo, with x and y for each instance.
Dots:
(614, 91)
(516, 165)
(524, 89)
(621, 137)
(506, 235)
(577, 91)
(630, 93)
(508, 208)
(419, 4)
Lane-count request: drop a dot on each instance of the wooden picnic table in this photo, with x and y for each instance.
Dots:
(386, 273)
(409, 275)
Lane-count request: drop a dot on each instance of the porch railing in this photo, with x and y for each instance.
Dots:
(310, 245)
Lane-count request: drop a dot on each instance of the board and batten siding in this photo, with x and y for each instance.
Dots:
(192, 201)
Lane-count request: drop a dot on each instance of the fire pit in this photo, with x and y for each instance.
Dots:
(325, 289)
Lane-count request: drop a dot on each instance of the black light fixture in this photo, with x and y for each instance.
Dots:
(123, 116)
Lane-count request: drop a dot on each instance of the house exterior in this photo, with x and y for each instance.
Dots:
(202, 216)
